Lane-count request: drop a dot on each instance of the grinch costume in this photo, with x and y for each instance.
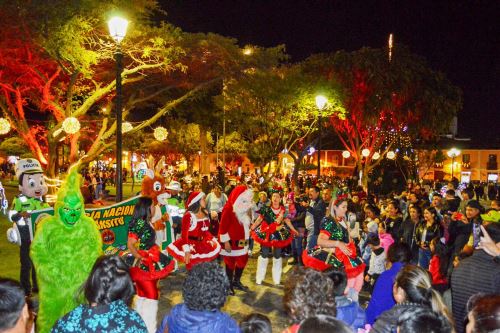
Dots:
(32, 186)
(64, 250)
(234, 232)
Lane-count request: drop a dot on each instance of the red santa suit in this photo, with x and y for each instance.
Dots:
(195, 237)
(235, 229)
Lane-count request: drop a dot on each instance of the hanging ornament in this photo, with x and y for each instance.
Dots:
(4, 126)
(126, 127)
(346, 154)
(391, 155)
(376, 155)
(71, 125)
(365, 152)
(160, 133)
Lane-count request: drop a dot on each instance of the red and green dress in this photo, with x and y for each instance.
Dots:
(269, 233)
(323, 258)
(155, 264)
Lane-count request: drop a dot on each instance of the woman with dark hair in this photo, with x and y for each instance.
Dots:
(335, 248)
(426, 231)
(196, 244)
(307, 293)
(439, 264)
(393, 219)
(108, 292)
(419, 320)
(412, 289)
(484, 314)
(256, 323)
(273, 231)
(204, 291)
(408, 229)
(323, 324)
(147, 263)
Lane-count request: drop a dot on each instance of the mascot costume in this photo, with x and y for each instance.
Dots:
(32, 186)
(153, 186)
(64, 250)
(234, 233)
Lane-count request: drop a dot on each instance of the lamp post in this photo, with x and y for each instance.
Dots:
(453, 152)
(320, 103)
(118, 29)
(199, 163)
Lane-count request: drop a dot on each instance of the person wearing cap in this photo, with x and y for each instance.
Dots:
(175, 206)
(196, 243)
(462, 227)
(32, 186)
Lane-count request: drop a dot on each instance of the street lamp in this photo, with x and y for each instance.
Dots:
(453, 152)
(118, 30)
(320, 103)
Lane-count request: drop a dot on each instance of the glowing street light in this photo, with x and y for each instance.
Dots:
(453, 152)
(118, 30)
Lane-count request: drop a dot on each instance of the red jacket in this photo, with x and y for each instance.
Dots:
(437, 278)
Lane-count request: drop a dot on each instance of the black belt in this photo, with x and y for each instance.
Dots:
(199, 239)
(239, 242)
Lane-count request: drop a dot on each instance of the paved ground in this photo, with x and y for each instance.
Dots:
(265, 299)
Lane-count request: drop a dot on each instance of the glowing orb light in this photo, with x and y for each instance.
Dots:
(160, 133)
(4, 126)
(71, 125)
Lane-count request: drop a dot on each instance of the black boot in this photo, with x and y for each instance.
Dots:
(229, 273)
(237, 282)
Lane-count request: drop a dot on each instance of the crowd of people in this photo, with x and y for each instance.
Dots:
(426, 262)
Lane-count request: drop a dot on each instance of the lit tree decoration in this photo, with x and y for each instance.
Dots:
(160, 133)
(4, 126)
(376, 155)
(126, 127)
(71, 125)
(365, 152)
(391, 155)
(346, 154)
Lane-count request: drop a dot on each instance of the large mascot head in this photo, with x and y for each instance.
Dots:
(30, 175)
(153, 185)
(69, 206)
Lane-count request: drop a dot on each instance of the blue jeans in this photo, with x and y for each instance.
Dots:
(297, 246)
(424, 257)
(312, 240)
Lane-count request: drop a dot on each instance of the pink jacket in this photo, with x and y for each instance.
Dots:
(386, 241)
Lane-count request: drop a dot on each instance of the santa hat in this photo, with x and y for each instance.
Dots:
(235, 193)
(193, 198)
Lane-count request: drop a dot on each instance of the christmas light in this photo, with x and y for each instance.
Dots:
(126, 127)
(346, 154)
(4, 126)
(160, 133)
(71, 125)
(391, 155)
(376, 155)
(365, 152)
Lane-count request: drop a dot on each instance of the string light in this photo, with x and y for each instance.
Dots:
(71, 125)
(160, 133)
(4, 126)
(126, 127)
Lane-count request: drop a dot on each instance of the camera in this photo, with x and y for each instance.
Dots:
(302, 198)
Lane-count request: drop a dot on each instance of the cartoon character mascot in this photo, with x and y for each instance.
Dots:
(64, 250)
(32, 186)
(234, 232)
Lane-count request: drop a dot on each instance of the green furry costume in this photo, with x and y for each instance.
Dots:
(64, 250)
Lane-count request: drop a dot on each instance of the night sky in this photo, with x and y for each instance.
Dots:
(459, 38)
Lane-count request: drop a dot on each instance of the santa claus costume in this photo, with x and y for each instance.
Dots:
(273, 231)
(234, 232)
(196, 243)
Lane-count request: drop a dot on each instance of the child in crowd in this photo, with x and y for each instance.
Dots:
(438, 266)
(377, 259)
(386, 239)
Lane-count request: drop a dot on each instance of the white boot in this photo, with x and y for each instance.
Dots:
(150, 312)
(147, 309)
(277, 268)
(261, 269)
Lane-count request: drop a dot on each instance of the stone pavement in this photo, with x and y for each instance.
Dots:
(265, 299)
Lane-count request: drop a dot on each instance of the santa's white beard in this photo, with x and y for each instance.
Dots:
(243, 218)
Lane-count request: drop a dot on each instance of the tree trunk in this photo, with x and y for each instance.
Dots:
(203, 149)
(52, 165)
(74, 148)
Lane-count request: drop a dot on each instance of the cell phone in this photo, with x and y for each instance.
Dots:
(459, 216)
